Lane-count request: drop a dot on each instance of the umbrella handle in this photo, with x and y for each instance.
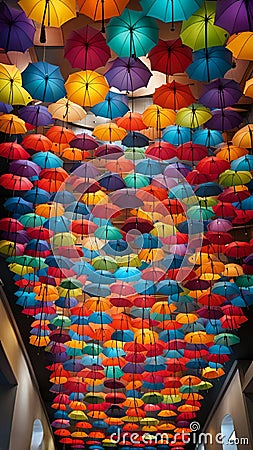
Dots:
(103, 16)
(43, 28)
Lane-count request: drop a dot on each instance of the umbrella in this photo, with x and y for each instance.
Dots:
(86, 48)
(240, 45)
(4, 108)
(12, 150)
(210, 63)
(36, 115)
(193, 116)
(244, 137)
(234, 15)
(178, 11)
(209, 138)
(132, 34)
(173, 95)
(170, 57)
(109, 132)
(59, 134)
(11, 124)
(84, 142)
(11, 90)
(17, 31)
(199, 30)
(176, 135)
(161, 150)
(47, 160)
(102, 10)
(114, 105)
(44, 81)
(24, 168)
(66, 110)
(15, 182)
(86, 88)
(128, 74)
(221, 93)
(131, 121)
(36, 142)
(49, 13)
(158, 117)
(224, 119)
(135, 139)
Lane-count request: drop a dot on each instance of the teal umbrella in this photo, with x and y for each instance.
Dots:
(132, 34)
(136, 180)
(47, 160)
(108, 232)
(173, 11)
(200, 213)
(32, 220)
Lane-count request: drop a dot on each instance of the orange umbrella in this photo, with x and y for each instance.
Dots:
(131, 121)
(59, 134)
(244, 137)
(240, 45)
(157, 117)
(75, 154)
(102, 10)
(173, 95)
(120, 165)
(11, 124)
(109, 132)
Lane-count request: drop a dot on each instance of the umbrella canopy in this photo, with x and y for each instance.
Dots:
(11, 124)
(176, 12)
(234, 15)
(11, 150)
(158, 117)
(199, 30)
(128, 74)
(221, 93)
(240, 45)
(49, 13)
(102, 10)
(210, 63)
(86, 88)
(176, 135)
(17, 31)
(86, 48)
(193, 116)
(224, 119)
(44, 81)
(173, 95)
(11, 90)
(66, 110)
(114, 105)
(131, 121)
(36, 115)
(244, 137)
(132, 34)
(109, 132)
(170, 57)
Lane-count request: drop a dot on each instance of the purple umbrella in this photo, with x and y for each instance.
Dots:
(84, 142)
(21, 237)
(6, 109)
(223, 120)
(221, 93)
(107, 150)
(36, 115)
(17, 31)
(234, 15)
(23, 167)
(173, 169)
(128, 74)
(214, 312)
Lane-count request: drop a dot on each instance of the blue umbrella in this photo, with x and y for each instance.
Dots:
(64, 197)
(181, 191)
(44, 81)
(226, 289)
(243, 163)
(6, 109)
(47, 160)
(149, 167)
(77, 208)
(177, 11)
(59, 261)
(101, 277)
(117, 248)
(176, 135)
(114, 105)
(147, 240)
(112, 181)
(210, 63)
(37, 196)
(145, 287)
(18, 205)
(208, 189)
(58, 224)
(97, 290)
(168, 287)
(100, 318)
(209, 138)
(127, 274)
(83, 268)
(123, 335)
(135, 139)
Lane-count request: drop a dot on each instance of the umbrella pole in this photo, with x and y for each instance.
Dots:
(43, 28)
(103, 15)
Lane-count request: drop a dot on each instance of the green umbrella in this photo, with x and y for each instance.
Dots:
(170, 399)
(193, 116)
(31, 220)
(108, 232)
(136, 180)
(244, 280)
(104, 263)
(204, 386)
(199, 30)
(92, 349)
(152, 397)
(226, 339)
(207, 201)
(188, 389)
(61, 321)
(200, 213)
(94, 398)
(135, 154)
(235, 178)
(31, 261)
(132, 34)
(71, 283)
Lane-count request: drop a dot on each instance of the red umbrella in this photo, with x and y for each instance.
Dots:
(83, 227)
(40, 233)
(213, 165)
(49, 184)
(106, 211)
(238, 249)
(191, 152)
(59, 134)
(15, 182)
(134, 223)
(13, 151)
(173, 95)
(55, 174)
(131, 121)
(161, 150)
(170, 57)
(86, 48)
(37, 142)
(196, 177)
(11, 225)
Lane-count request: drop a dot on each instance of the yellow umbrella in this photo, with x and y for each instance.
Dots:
(19, 269)
(193, 116)
(232, 270)
(148, 255)
(52, 13)
(66, 110)
(163, 230)
(63, 239)
(157, 117)
(109, 132)
(92, 198)
(86, 88)
(11, 124)
(244, 137)
(198, 337)
(241, 45)
(11, 90)
(49, 209)
(8, 248)
(131, 260)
